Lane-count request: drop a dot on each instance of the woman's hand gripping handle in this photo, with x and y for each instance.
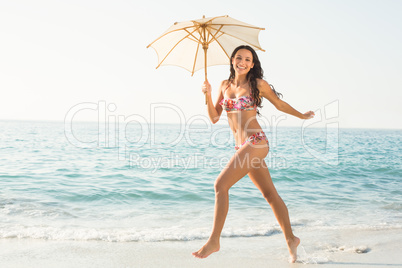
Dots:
(206, 89)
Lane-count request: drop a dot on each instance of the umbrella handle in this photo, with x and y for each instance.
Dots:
(205, 93)
(205, 47)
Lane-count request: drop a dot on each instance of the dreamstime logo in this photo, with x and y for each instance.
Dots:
(134, 133)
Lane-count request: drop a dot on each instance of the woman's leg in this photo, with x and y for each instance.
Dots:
(262, 179)
(239, 165)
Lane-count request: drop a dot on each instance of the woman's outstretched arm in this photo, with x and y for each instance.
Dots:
(214, 111)
(267, 92)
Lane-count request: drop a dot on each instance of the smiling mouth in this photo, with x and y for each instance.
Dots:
(241, 68)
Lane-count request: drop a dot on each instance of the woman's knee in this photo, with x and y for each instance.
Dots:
(221, 187)
(271, 197)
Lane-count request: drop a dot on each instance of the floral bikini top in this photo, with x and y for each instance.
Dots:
(244, 103)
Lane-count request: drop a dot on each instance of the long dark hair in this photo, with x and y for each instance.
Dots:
(252, 76)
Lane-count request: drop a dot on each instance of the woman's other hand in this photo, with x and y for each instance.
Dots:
(308, 115)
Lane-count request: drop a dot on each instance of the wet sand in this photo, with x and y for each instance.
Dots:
(330, 248)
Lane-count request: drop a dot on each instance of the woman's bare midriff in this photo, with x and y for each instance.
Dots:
(243, 124)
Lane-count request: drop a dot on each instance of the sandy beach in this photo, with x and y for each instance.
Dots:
(368, 248)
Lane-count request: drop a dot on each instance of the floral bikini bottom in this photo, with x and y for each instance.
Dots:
(254, 139)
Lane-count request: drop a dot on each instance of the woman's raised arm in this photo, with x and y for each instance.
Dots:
(267, 92)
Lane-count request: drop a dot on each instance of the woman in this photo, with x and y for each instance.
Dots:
(240, 96)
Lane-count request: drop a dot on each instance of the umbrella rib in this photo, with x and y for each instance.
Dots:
(172, 49)
(195, 38)
(176, 30)
(220, 34)
(241, 40)
(195, 59)
(198, 46)
(196, 24)
(207, 35)
(237, 25)
(199, 23)
(200, 33)
(192, 39)
(213, 35)
(213, 38)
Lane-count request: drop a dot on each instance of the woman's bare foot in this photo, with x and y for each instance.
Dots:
(292, 246)
(209, 248)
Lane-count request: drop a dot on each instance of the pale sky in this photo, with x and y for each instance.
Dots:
(55, 55)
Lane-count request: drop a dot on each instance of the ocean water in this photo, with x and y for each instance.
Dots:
(126, 183)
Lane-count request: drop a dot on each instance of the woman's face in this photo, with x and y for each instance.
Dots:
(242, 61)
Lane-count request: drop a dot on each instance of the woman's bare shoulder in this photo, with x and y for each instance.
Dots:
(262, 84)
(224, 85)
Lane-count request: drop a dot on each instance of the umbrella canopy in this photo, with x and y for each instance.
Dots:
(196, 44)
